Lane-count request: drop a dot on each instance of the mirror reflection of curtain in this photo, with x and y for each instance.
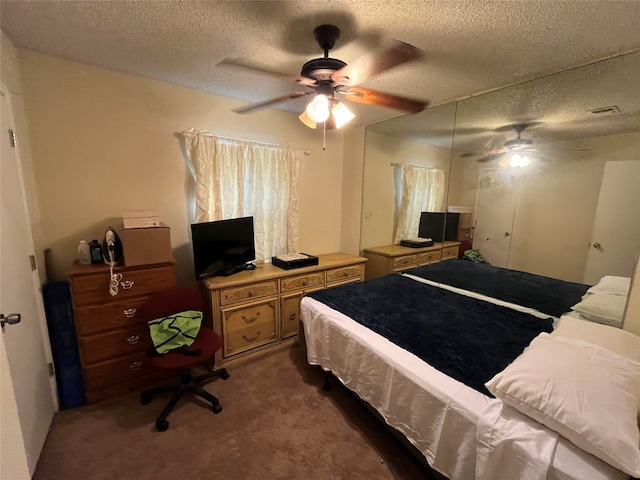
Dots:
(236, 178)
(421, 190)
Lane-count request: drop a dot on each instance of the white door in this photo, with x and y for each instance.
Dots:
(615, 240)
(27, 354)
(495, 210)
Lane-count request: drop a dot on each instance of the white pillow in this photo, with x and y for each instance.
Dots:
(614, 339)
(586, 393)
(612, 285)
(602, 308)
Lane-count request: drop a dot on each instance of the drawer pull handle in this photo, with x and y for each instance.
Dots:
(130, 312)
(127, 284)
(292, 317)
(135, 365)
(133, 339)
(250, 319)
(251, 339)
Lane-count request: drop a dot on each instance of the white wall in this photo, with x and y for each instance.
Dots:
(104, 142)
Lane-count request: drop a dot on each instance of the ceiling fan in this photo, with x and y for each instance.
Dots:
(518, 147)
(327, 77)
(516, 152)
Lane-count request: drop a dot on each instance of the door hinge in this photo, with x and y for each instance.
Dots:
(52, 371)
(13, 141)
(32, 260)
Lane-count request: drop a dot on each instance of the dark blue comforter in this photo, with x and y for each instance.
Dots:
(469, 340)
(547, 295)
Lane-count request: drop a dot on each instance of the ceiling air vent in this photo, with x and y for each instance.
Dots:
(613, 110)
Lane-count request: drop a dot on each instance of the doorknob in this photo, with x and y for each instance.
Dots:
(597, 245)
(10, 319)
(506, 234)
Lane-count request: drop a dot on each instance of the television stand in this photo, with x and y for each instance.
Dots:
(395, 258)
(257, 312)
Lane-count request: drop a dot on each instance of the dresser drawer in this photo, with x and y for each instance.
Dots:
(301, 282)
(450, 252)
(92, 319)
(429, 257)
(105, 346)
(103, 374)
(343, 273)
(290, 314)
(248, 327)
(92, 289)
(405, 261)
(248, 292)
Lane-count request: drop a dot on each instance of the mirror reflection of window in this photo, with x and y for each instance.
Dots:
(419, 189)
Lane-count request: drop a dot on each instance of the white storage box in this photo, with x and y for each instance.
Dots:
(140, 219)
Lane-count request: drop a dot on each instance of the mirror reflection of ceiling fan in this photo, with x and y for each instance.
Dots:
(514, 151)
(329, 78)
(517, 152)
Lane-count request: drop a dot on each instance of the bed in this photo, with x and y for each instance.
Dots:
(548, 295)
(602, 303)
(462, 430)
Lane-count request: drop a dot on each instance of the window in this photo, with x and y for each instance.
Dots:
(236, 178)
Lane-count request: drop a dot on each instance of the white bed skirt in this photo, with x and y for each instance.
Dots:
(462, 433)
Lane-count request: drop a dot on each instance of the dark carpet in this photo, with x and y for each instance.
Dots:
(276, 423)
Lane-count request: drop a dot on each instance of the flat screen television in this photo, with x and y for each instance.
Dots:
(223, 247)
(439, 226)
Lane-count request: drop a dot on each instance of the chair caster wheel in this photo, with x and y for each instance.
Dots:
(162, 425)
(145, 398)
(224, 375)
(217, 408)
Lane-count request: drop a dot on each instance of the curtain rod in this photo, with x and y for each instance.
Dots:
(211, 134)
(412, 165)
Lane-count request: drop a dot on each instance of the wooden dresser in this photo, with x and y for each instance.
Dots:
(258, 311)
(395, 258)
(111, 338)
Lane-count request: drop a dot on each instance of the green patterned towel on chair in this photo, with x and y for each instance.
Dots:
(175, 331)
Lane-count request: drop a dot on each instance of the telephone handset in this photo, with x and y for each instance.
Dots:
(112, 255)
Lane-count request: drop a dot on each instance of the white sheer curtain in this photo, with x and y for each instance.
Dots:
(236, 178)
(422, 190)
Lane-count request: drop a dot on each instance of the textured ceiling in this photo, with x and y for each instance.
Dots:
(557, 108)
(471, 46)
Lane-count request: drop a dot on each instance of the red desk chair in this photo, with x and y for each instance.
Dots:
(207, 342)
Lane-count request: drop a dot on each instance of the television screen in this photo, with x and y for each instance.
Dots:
(439, 226)
(222, 247)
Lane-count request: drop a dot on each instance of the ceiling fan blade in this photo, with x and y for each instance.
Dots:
(489, 153)
(493, 156)
(257, 106)
(381, 99)
(373, 63)
(239, 62)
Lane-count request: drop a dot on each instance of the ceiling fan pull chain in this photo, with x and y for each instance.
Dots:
(324, 135)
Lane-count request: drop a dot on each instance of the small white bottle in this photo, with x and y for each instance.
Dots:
(84, 253)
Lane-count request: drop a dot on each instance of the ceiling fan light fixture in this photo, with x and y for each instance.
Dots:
(318, 109)
(342, 115)
(515, 161)
(304, 118)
